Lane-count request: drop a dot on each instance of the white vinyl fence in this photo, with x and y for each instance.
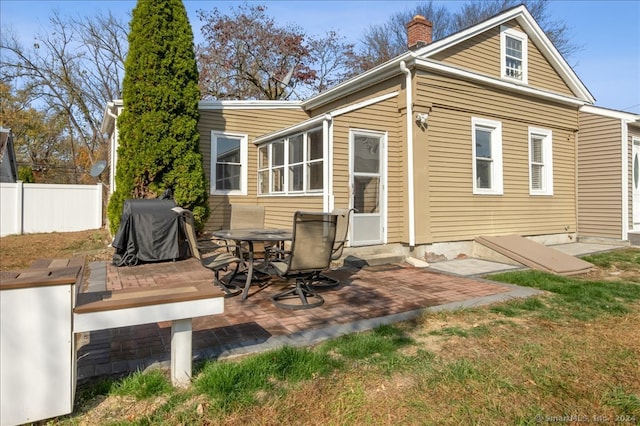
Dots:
(27, 208)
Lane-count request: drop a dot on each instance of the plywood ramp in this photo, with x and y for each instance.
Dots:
(535, 255)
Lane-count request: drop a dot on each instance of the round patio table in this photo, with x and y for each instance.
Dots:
(250, 236)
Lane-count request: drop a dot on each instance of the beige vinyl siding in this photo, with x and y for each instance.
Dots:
(481, 54)
(454, 212)
(542, 75)
(363, 95)
(599, 177)
(254, 123)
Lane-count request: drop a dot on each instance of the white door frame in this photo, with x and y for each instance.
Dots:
(382, 201)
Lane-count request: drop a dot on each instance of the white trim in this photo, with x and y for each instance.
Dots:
(547, 152)
(524, 40)
(327, 191)
(410, 176)
(312, 122)
(244, 163)
(605, 112)
(251, 104)
(470, 75)
(496, 156)
(300, 127)
(634, 141)
(126, 317)
(384, 137)
(624, 133)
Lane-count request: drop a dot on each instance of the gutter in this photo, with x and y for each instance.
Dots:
(409, 92)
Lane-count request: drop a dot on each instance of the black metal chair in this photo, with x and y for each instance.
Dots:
(214, 254)
(314, 235)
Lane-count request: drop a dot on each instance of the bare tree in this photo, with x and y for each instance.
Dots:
(383, 42)
(72, 71)
(248, 55)
(333, 59)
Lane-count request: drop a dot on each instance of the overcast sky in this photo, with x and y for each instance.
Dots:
(608, 32)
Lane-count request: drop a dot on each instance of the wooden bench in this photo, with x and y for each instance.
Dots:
(179, 304)
(42, 307)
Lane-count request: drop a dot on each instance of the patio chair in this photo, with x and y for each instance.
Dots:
(313, 237)
(216, 255)
(250, 217)
(321, 280)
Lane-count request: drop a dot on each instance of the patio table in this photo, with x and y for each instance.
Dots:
(250, 236)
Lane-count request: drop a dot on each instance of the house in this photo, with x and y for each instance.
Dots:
(474, 134)
(8, 164)
(609, 175)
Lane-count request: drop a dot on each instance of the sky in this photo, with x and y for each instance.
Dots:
(608, 32)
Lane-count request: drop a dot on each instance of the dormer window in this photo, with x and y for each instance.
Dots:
(513, 50)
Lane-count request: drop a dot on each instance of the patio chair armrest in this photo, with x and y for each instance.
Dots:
(212, 244)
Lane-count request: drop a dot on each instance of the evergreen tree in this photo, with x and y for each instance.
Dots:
(158, 135)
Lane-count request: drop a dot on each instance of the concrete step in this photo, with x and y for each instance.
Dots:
(372, 259)
(382, 254)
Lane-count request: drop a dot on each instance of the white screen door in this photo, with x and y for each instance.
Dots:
(367, 187)
(636, 184)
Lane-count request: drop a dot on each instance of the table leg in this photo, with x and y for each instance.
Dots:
(247, 284)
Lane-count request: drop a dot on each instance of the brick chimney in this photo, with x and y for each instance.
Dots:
(419, 32)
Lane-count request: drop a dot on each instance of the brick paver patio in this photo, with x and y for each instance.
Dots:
(365, 298)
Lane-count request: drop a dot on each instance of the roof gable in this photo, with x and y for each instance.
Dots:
(525, 22)
(519, 14)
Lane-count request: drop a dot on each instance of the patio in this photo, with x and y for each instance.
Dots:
(366, 298)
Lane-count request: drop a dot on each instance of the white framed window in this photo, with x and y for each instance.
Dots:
(486, 138)
(540, 161)
(292, 165)
(513, 53)
(228, 163)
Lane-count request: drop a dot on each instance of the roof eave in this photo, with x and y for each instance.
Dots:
(248, 104)
(430, 65)
(608, 112)
(108, 121)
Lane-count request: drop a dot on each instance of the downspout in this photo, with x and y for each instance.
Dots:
(327, 175)
(114, 153)
(412, 231)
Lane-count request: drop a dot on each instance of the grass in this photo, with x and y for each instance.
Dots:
(18, 251)
(570, 353)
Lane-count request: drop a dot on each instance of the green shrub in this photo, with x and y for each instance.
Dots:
(158, 134)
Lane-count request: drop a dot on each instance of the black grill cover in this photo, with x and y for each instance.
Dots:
(149, 232)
